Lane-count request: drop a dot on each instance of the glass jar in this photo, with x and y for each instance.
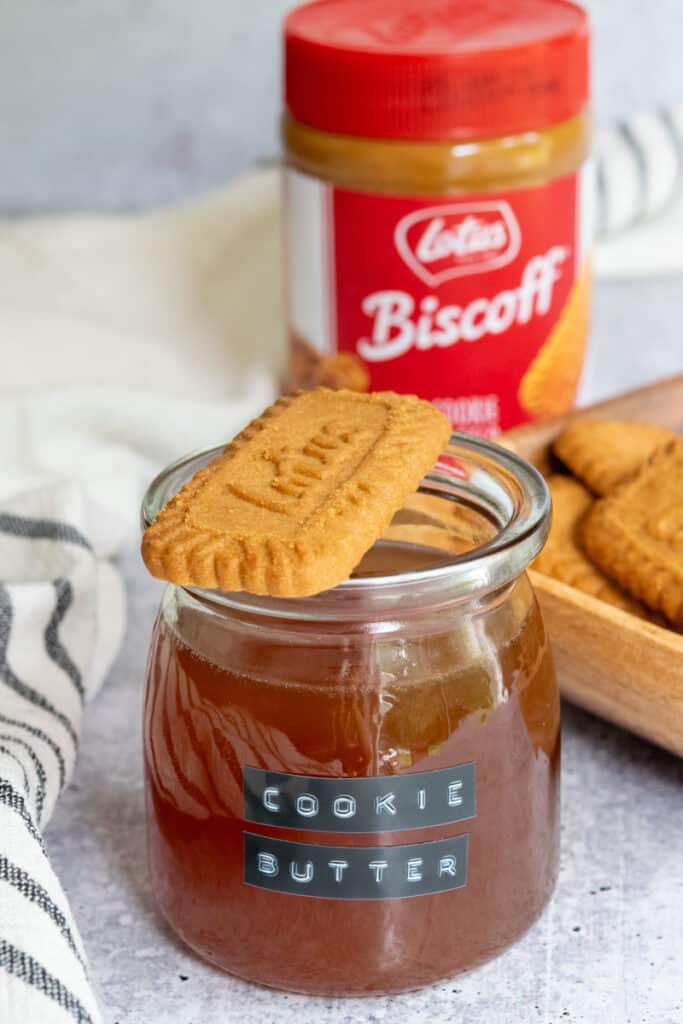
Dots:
(437, 202)
(357, 792)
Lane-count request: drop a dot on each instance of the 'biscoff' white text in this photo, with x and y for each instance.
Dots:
(396, 329)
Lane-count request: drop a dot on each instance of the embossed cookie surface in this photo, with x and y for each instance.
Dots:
(602, 453)
(297, 498)
(636, 534)
(563, 557)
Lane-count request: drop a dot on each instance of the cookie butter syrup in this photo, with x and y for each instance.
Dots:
(313, 900)
(437, 204)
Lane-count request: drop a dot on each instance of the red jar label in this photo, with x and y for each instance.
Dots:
(478, 303)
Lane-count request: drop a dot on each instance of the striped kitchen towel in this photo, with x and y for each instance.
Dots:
(62, 612)
(639, 164)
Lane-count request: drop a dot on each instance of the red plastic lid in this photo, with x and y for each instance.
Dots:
(436, 69)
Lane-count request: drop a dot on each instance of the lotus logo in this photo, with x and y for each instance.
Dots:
(450, 241)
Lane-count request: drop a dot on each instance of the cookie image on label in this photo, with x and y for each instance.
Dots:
(309, 369)
(548, 388)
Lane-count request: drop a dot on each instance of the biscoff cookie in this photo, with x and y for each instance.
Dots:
(310, 369)
(635, 535)
(563, 557)
(293, 503)
(602, 453)
(345, 370)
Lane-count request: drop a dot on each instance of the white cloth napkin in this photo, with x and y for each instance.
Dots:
(55, 596)
(124, 342)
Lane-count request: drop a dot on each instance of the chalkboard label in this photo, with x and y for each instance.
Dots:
(355, 872)
(389, 803)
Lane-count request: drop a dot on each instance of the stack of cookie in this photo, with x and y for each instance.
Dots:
(617, 529)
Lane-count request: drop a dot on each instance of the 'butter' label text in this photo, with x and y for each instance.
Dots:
(355, 872)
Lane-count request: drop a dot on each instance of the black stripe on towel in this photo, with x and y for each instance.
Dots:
(23, 966)
(13, 756)
(35, 893)
(55, 649)
(41, 529)
(676, 137)
(602, 213)
(15, 801)
(640, 160)
(48, 740)
(16, 684)
(37, 764)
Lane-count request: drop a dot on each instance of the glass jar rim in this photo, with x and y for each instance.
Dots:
(477, 473)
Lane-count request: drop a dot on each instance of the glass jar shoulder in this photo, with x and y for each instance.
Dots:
(414, 168)
(483, 645)
(449, 638)
(417, 698)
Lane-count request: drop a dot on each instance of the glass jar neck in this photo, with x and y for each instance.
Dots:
(474, 476)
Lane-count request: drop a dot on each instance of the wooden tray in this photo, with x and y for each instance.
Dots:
(610, 662)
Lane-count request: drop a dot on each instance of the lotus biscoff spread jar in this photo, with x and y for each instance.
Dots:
(437, 197)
